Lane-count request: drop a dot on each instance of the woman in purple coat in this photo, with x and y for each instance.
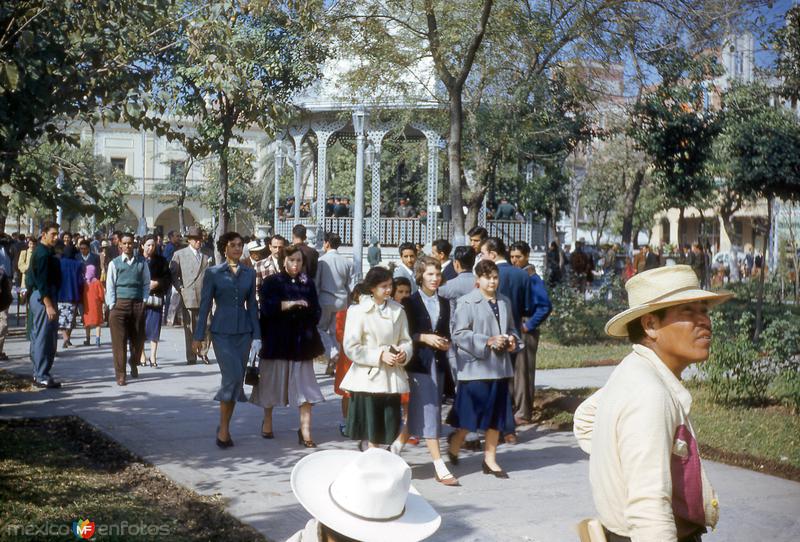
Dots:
(290, 342)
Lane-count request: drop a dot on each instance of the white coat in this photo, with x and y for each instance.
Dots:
(367, 334)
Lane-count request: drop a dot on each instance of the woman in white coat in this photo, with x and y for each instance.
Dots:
(376, 339)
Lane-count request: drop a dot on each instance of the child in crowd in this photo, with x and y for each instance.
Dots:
(343, 363)
(401, 289)
(93, 299)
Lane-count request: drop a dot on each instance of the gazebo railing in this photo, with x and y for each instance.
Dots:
(394, 231)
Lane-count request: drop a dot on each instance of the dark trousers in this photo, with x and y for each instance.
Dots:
(524, 381)
(126, 321)
(44, 338)
(189, 320)
(613, 537)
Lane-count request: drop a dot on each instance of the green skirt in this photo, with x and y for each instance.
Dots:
(375, 417)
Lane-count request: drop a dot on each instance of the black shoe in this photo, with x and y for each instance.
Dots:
(304, 442)
(3, 356)
(191, 362)
(49, 383)
(223, 443)
(266, 434)
(497, 473)
(87, 342)
(453, 457)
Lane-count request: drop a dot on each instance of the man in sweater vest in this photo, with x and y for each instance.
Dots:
(127, 287)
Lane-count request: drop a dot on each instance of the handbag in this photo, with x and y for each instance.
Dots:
(251, 373)
(154, 301)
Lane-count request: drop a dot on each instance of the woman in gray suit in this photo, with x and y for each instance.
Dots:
(485, 336)
(234, 325)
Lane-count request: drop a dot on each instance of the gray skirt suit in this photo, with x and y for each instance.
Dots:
(234, 324)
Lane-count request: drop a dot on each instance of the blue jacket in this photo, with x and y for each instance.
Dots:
(235, 296)
(539, 305)
(71, 290)
(514, 285)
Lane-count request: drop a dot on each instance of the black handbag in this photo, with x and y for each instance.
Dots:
(251, 373)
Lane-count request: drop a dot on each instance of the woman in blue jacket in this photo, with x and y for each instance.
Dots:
(234, 325)
(290, 312)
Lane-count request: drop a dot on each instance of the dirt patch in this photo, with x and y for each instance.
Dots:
(10, 382)
(767, 466)
(106, 481)
(601, 363)
(553, 409)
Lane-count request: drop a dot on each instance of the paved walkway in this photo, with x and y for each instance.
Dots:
(167, 416)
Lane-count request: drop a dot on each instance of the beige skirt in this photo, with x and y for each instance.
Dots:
(285, 383)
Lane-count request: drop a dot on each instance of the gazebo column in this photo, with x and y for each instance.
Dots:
(298, 132)
(434, 141)
(324, 131)
(375, 137)
(278, 171)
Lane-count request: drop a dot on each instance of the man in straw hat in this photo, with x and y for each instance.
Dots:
(644, 467)
(366, 497)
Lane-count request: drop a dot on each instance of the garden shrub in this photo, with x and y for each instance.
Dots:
(740, 370)
(576, 320)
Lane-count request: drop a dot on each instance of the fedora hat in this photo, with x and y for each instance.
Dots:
(658, 289)
(255, 246)
(365, 496)
(194, 232)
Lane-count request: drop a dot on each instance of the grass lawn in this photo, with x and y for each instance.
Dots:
(555, 356)
(55, 471)
(765, 439)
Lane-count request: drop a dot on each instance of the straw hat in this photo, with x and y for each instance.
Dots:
(660, 288)
(365, 496)
(255, 246)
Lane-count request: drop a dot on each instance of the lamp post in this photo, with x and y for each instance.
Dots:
(359, 127)
(278, 171)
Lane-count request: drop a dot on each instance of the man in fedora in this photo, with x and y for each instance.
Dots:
(365, 497)
(187, 268)
(644, 467)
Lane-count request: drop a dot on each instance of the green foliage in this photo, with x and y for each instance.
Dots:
(787, 58)
(65, 60)
(244, 196)
(576, 320)
(672, 126)
(741, 370)
(91, 185)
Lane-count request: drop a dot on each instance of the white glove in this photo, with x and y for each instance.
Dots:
(255, 348)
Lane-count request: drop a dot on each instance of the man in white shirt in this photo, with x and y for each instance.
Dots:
(334, 281)
(408, 257)
(647, 481)
(440, 249)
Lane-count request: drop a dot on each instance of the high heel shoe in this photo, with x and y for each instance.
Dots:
(304, 442)
(497, 473)
(223, 443)
(153, 363)
(450, 455)
(266, 434)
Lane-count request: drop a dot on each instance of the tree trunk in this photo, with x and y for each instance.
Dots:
(4, 201)
(727, 225)
(680, 227)
(454, 165)
(224, 217)
(760, 292)
(473, 208)
(629, 209)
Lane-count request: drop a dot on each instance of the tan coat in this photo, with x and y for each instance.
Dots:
(187, 275)
(367, 334)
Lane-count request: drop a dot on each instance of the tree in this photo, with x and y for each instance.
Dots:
(758, 155)
(244, 194)
(61, 61)
(89, 182)
(236, 66)
(176, 188)
(673, 126)
(787, 49)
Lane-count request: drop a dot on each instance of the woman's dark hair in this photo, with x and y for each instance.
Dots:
(636, 332)
(291, 250)
(422, 263)
(146, 238)
(375, 276)
(400, 281)
(225, 238)
(485, 268)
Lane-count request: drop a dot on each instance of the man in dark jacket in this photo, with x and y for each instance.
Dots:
(310, 254)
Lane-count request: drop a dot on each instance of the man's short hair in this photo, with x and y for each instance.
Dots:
(84, 242)
(465, 256)
(333, 239)
(278, 237)
(636, 332)
(485, 268)
(443, 246)
(495, 244)
(522, 246)
(299, 231)
(49, 225)
(406, 246)
(479, 231)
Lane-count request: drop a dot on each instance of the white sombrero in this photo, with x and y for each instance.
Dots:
(366, 496)
(660, 288)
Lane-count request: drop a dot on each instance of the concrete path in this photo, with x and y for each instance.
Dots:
(168, 416)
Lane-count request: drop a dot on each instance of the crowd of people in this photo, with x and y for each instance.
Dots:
(447, 338)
